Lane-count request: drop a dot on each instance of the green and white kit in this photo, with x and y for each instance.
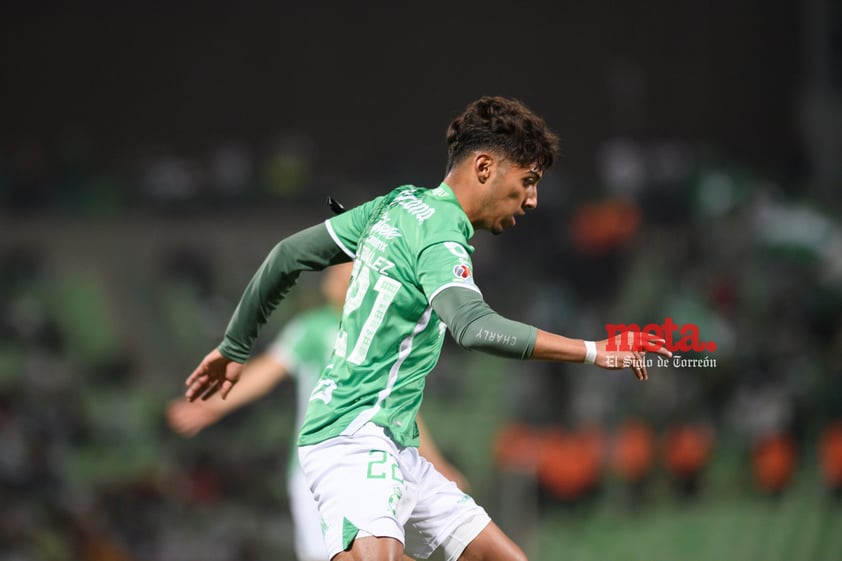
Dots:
(390, 338)
(412, 280)
(366, 485)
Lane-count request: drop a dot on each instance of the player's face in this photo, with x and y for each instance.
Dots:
(511, 191)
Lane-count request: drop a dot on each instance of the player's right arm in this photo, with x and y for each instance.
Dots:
(313, 249)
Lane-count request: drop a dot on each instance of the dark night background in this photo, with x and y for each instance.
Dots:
(375, 84)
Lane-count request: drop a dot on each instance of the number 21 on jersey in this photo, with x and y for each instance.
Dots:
(361, 291)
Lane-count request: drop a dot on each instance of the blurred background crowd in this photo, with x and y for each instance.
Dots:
(150, 156)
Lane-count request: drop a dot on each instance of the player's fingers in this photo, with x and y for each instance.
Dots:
(639, 365)
(638, 373)
(663, 351)
(210, 390)
(199, 387)
(201, 370)
(193, 391)
(226, 387)
(643, 369)
(650, 342)
(656, 344)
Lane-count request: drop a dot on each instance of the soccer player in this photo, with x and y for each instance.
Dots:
(412, 280)
(301, 351)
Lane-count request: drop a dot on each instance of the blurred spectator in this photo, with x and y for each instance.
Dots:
(232, 171)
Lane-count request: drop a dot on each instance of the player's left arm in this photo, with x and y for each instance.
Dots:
(445, 273)
(474, 325)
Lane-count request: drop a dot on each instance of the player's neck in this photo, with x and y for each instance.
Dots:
(466, 190)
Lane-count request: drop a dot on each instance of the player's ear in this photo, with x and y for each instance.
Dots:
(483, 162)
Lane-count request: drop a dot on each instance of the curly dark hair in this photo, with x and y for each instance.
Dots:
(505, 125)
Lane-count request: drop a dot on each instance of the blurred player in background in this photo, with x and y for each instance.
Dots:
(300, 351)
(412, 279)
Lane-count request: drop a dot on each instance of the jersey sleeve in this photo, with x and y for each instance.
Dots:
(347, 228)
(444, 265)
(475, 326)
(311, 249)
(286, 346)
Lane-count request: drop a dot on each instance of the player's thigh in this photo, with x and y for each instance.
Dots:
(492, 545)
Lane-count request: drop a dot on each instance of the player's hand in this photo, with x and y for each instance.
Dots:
(188, 419)
(628, 350)
(214, 374)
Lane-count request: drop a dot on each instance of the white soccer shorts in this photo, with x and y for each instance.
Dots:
(365, 485)
(309, 542)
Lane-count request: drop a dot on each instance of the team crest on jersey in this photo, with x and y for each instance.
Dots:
(462, 271)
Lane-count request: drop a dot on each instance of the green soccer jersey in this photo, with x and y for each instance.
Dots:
(407, 247)
(304, 347)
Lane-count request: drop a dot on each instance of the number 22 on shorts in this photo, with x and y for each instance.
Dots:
(377, 468)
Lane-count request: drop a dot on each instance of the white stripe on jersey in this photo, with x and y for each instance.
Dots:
(403, 353)
(338, 242)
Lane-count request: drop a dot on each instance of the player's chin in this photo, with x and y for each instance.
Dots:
(503, 226)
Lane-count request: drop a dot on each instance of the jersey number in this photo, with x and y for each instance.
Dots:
(377, 467)
(386, 290)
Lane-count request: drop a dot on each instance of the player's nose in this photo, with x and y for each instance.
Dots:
(531, 200)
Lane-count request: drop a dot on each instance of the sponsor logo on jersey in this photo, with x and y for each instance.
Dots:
(462, 271)
(415, 206)
(385, 230)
